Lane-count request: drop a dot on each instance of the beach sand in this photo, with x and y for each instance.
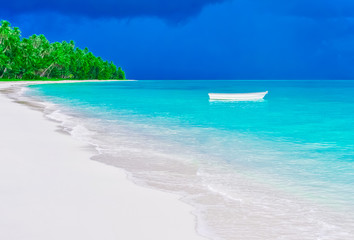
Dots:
(50, 189)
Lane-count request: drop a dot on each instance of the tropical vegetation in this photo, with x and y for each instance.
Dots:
(37, 58)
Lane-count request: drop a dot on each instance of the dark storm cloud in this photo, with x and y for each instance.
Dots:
(167, 9)
(174, 9)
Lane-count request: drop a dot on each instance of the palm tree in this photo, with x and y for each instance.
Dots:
(35, 57)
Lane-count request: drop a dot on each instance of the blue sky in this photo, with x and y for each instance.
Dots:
(202, 39)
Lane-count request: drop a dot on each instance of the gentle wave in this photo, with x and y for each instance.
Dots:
(230, 203)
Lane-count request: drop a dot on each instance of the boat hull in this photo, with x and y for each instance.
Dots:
(238, 96)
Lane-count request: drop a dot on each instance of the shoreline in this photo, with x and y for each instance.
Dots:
(250, 208)
(51, 189)
(59, 81)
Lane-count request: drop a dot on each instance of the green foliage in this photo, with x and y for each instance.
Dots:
(120, 73)
(36, 58)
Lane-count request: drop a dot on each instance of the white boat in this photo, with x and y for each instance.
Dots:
(238, 96)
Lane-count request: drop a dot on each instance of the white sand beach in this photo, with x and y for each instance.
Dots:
(50, 189)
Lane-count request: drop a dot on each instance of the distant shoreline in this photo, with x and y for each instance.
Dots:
(9, 83)
(62, 80)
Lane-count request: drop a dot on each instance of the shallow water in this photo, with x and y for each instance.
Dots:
(282, 168)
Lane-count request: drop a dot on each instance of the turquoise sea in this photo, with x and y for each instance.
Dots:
(281, 168)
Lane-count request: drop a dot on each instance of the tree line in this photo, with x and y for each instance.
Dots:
(36, 58)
